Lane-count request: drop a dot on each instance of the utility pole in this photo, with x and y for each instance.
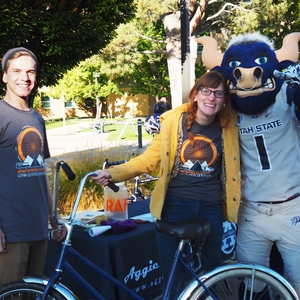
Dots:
(96, 75)
(187, 78)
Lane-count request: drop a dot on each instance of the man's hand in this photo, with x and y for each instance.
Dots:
(59, 233)
(2, 242)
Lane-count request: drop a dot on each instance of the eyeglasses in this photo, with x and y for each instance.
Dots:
(207, 92)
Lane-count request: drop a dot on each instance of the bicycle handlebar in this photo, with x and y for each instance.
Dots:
(114, 187)
(71, 176)
(68, 171)
(108, 164)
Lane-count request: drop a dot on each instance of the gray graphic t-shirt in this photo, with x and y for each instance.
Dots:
(200, 165)
(23, 192)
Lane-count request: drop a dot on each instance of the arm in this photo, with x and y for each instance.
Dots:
(144, 163)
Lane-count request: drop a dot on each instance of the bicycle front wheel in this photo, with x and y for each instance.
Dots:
(240, 281)
(20, 290)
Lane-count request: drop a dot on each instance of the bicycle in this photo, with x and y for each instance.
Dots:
(137, 194)
(221, 283)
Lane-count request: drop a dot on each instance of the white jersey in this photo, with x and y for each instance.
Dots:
(270, 152)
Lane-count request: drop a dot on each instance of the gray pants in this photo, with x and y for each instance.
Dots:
(260, 225)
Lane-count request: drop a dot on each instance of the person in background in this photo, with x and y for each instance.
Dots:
(152, 123)
(25, 196)
(198, 152)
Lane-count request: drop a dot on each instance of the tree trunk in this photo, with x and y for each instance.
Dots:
(173, 47)
(182, 77)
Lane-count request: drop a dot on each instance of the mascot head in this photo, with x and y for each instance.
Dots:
(248, 64)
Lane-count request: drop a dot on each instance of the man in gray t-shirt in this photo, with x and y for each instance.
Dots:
(25, 196)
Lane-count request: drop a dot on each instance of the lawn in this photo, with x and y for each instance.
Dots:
(118, 128)
(83, 162)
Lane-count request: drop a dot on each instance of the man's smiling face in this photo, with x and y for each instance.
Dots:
(20, 76)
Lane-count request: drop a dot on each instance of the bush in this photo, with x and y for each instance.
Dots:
(82, 163)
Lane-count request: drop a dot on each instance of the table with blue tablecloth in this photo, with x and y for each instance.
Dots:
(129, 256)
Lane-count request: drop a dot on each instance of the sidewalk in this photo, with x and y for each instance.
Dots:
(69, 139)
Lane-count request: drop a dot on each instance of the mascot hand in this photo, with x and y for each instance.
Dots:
(152, 125)
(291, 75)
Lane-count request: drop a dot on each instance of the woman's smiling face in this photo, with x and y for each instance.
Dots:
(210, 102)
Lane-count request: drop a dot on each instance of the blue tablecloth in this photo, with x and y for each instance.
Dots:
(127, 256)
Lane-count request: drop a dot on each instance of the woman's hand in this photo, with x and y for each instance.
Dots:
(102, 178)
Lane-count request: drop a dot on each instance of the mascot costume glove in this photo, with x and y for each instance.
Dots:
(291, 75)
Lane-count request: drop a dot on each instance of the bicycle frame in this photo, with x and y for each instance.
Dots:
(178, 258)
(63, 265)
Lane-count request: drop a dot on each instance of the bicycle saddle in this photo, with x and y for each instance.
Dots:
(190, 229)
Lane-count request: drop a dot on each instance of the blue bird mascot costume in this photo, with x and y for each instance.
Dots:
(264, 87)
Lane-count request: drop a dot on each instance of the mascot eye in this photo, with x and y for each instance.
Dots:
(261, 60)
(234, 63)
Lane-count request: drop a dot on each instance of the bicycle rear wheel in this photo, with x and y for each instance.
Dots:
(20, 290)
(240, 282)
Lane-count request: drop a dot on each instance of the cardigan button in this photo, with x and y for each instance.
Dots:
(234, 199)
(234, 158)
(234, 179)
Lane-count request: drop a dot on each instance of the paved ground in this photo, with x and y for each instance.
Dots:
(71, 139)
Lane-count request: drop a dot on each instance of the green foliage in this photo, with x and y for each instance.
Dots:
(79, 83)
(138, 51)
(137, 57)
(272, 18)
(60, 33)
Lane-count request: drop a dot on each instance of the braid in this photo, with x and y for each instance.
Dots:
(191, 116)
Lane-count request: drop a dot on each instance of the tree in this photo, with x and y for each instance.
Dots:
(60, 33)
(274, 19)
(146, 52)
(222, 19)
(151, 54)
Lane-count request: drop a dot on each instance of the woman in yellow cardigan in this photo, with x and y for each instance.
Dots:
(198, 152)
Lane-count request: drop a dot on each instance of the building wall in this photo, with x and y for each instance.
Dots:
(114, 106)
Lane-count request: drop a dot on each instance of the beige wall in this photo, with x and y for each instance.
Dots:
(117, 106)
(129, 105)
